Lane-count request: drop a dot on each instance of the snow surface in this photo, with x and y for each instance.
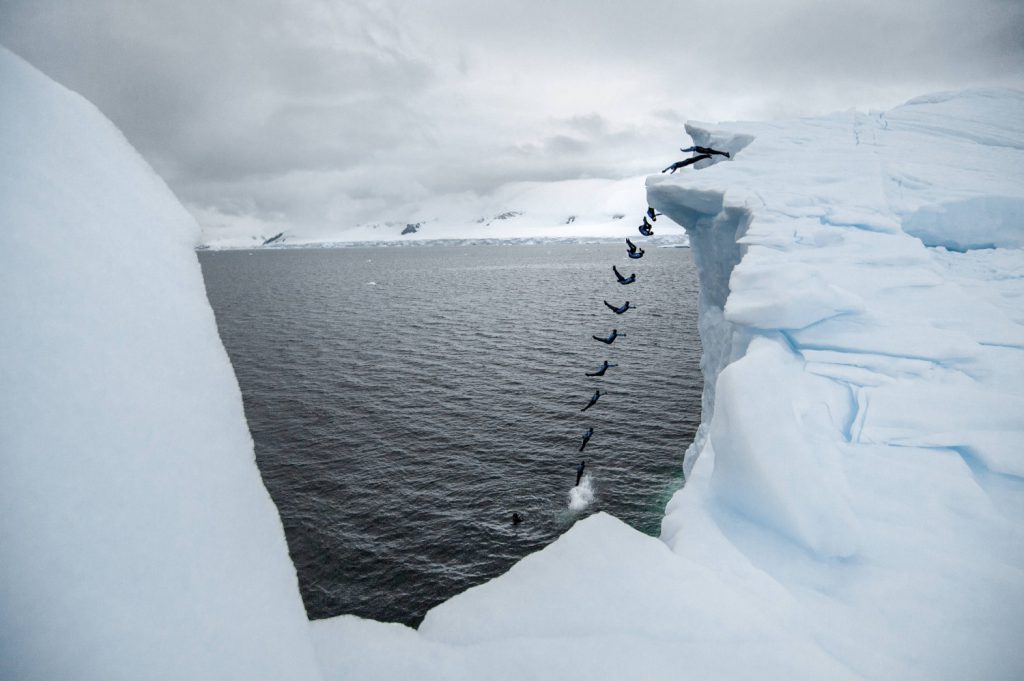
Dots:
(855, 494)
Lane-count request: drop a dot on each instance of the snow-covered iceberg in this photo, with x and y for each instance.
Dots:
(855, 496)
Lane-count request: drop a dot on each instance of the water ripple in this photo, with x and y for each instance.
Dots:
(397, 426)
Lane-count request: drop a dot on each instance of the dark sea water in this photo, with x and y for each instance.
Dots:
(405, 401)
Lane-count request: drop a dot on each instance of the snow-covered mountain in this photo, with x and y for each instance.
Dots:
(855, 497)
(570, 209)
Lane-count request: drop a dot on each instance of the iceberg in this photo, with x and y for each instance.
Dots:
(854, 504)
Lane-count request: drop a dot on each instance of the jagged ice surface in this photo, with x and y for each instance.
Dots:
(855, 495)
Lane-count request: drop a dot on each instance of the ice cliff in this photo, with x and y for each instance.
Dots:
(855, 496)
(136, 538)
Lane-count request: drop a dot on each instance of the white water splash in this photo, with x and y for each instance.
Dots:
(581, 495)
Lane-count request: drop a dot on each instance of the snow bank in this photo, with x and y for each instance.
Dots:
(137, 539)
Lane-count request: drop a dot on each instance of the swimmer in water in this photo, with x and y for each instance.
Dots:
(516, 519)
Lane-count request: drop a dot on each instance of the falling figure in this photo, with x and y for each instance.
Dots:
(611, 337)
(623, 280)
(586, 438)
(579, 472)
(682, 164)
(593, 400)
(636, 255)
(651, 214)
(706, 150)
(646, 228)
(621, 308)
(630, 246)
(604, 367)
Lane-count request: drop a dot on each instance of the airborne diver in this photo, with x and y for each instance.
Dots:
(593, 400)
(682, 164)
(586, 438)
(636, 255)
(579, 472)
(611, 337)
(706, 150)
(623, 280)
(621, 308)
(605, 367)
(646, 228)
(652, 214)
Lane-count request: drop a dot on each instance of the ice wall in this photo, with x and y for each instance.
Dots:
(136, 538)
(860, 452)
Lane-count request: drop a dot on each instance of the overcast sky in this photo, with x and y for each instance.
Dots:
(321, 111)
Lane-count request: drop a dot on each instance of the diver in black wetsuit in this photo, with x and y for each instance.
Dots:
(605, 367)
(682, 164)
(621, 308)
(706, 150)
(611, 337)
(623, 280)
(630, 246)
(593, 400)
(579, 472)
(636, 255)
(652, 214)
(586, 438)
(516, 519)
(646, 228)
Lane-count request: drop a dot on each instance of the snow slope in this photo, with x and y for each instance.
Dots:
(136, 538)
(855, 496)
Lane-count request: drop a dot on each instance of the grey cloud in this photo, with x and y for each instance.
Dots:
(325, 111)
